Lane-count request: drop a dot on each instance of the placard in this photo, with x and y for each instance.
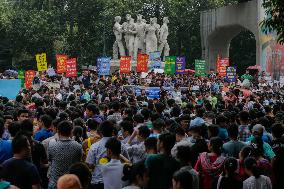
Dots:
(41, 62)
(155, 60)
(29, 76)
(103, 66)
(125, 64)
(71, 68)
(61, 63)
(200, 68)
(170, 65)
(180, 65)
(142, 63)
(231, 74)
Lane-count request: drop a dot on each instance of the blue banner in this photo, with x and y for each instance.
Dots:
(180, 65)
(155, 60)
(10, 88)
(153, 92)
(103, 66)
(231, 74)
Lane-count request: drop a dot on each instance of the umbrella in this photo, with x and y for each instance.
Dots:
(255, 67)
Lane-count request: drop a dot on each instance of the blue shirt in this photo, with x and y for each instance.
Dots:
(5, 150)
(198, 121)
(223, 133)
(43, 134)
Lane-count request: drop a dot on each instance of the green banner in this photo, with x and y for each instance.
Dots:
(200, 68)
(21, 76)
(170, 65)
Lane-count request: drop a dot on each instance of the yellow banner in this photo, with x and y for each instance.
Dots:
(41, 62)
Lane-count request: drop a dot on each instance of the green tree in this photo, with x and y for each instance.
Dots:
(275, 19)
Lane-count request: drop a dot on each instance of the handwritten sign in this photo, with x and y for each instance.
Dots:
(61, 63)
(71, 68)
(29, 76)
(41, 62)
(125, 64)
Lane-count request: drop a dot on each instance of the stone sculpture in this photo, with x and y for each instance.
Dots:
(118, 44)
(164, 47)
(140, 37)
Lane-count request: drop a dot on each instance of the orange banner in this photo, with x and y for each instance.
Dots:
(71, 68)
(29, 76)
(222, 67)
(125, 64)
(61, 63)
(142, 63)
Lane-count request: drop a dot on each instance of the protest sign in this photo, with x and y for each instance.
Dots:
(153, 92)
(103, 66)
(142, 63)
(170, 65)
(71, 68)
(21, 76)
(231, 74)
(155, 60)
(10, 88)
(222, 67)
(180, 65)
(61, 63)
(41, 62)
(52, 85)
(200, 68)
(125, 64)
(29, 76)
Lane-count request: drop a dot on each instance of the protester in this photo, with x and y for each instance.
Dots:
(160, 130)
(62, 153)
(18, 170)
(255, 180)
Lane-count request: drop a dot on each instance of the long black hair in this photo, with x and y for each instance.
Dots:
(230, 180)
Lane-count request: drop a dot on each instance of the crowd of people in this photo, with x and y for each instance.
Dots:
(93, 132)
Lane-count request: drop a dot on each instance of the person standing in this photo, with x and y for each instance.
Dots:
(62, 153)
(18, 170)
(5, 145)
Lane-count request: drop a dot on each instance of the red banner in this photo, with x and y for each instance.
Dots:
(61, 63)
(222, 67)
(142, 63)
(71, 69)
(29, 76)
(125, 64)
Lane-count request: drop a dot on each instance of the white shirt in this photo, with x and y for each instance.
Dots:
(112, 173)
(263, 182)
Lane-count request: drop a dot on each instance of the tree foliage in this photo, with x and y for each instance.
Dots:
(275, 20)
(83, 28)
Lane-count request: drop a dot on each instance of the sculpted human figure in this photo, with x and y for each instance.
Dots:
(139, 42)
(163, 38)
(151, 37)
(129, 34)
(118, 44)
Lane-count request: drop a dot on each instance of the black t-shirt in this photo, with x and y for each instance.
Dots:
(20, 173)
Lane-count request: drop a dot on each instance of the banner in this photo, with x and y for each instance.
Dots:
(155, 60)
(151, 92)
(170, 65)
(41, 62)
(221, 68)
(29, 76)
(180, 65)
(71, 68)
(61, 63)
(125, 64)
(142, 63)
(231, 74)
(21, 76)
(10, 88)
(200, 68)
(103, 66)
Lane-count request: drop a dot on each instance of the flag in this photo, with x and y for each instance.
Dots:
(71, 68)
(142, 63)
